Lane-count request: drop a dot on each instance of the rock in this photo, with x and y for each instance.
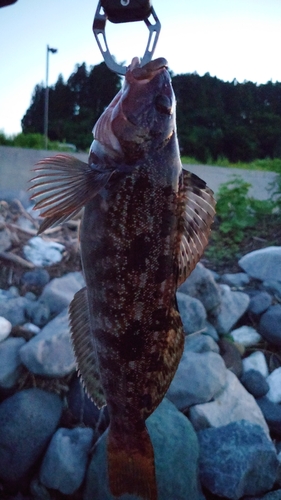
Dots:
(246, 336)
(270, 325)
(271, 495)
(176, 459)
(233, 306)
(202, 286)
(5, 239)
(5, 328)
(255, 383)
(59, 292)
(263, 264)
(237, 460)
(274, 382)
(231, 356)
(272, 414)
(65, 461)
(260, 303)
(13, 309)
(32, 328)
(193, 314)
(81, 406)
(232, 404)
(50, 352)
(10, 363)
(236, 280)
(28, 419)
(198, 379)
(273, 287)
(197, 342)
(36, 278)
(43, 253)
(256, 361)
(211, 331)
(38, 312)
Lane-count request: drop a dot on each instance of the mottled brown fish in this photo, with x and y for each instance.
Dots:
(145, 225)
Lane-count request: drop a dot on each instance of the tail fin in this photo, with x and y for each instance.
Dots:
(131, 465)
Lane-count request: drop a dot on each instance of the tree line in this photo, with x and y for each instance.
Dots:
(238, 121)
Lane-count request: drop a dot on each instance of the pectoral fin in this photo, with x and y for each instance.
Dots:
(197, 211)
(63, 185)
(84, 347)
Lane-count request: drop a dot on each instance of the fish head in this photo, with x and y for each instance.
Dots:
(142, 114)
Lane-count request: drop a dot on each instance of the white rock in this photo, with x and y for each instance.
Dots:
(246, 335)
(256, 361)
(43, 253)
(263, 264)
(274, 382)
(5, 328)
(232, 404)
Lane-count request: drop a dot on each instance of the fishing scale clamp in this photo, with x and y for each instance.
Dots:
(124, 11)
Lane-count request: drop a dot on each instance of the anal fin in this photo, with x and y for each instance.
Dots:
(84, 347)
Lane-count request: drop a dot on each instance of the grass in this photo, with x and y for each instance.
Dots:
(267, 164)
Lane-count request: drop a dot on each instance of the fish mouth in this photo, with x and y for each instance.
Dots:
(149, 70)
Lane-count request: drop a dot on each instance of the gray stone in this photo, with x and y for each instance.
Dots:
(59, 292)
(28, 419)
(255, 383)
(274, 382)
(50, 352)
(256, 361)
(263, 264)
(13, 309)
(272, 414)
(10, 363)
(246, 336)
(232, 404)
(202, 286)
(237, 460)
(5, 238)
(36, 278)
(65, 461)
(236, 280)
(43, 253)
(198, 342)
(231, 355)
(193, 314)
(32, 328)
(270, 325)
(38, 312)
(259, 303)
(176, 459)
(273, 287)
(211, 331)
(5, 328)
(198, 379)
(233, 306)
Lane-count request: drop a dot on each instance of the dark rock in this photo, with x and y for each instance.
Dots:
(259, 303)
(38, 312)
(36, 278)
(231, 356)
(81, 406)
(28, 419)
(237, 460)
(176, 459)
(270, 325)
(10, 363)
(272, 414)
(255, 383)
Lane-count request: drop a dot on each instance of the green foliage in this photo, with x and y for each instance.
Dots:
(236, 215)
(32, 141)
(267, 164)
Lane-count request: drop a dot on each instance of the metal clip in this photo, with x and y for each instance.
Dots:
(99, 30)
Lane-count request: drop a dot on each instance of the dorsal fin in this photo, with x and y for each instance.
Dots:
(84, 347)
(63, 185)
(197, 211)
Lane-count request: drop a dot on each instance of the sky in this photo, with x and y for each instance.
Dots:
(230, 39)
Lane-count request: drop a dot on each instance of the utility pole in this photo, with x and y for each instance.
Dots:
(46, 111)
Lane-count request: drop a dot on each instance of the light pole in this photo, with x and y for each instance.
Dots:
(46, 111)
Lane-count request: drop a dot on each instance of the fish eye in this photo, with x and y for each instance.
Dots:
(163, 104)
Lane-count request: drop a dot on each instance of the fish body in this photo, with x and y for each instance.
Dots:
(144, 228)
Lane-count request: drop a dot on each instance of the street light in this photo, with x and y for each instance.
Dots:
(46, 112)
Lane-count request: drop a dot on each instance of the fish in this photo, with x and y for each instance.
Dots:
(145, 225)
